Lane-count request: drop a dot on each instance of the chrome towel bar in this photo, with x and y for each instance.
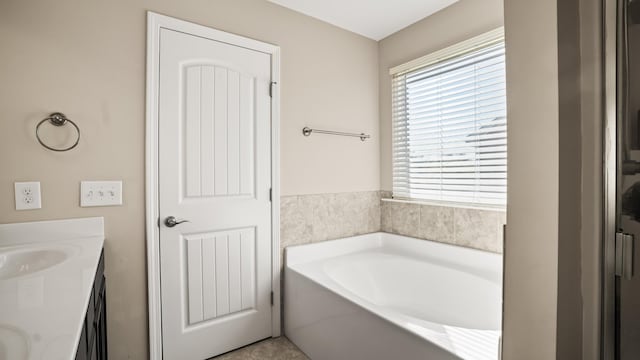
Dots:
(306, 131)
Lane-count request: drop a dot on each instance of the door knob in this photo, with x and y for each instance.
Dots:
(171, 221)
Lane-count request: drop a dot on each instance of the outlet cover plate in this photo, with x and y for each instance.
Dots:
(27, 195)
(100, 193)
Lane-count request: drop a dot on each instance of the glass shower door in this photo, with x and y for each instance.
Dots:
(627, 208)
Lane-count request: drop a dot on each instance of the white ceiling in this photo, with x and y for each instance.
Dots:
(375, 19)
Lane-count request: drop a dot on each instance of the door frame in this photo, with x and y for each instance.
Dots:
(156, 22)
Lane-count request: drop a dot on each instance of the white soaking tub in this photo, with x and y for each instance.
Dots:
(383, 296)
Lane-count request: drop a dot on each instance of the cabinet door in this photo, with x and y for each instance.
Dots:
(101, 325)
(93, 341)
(81, 353)
(94, 350)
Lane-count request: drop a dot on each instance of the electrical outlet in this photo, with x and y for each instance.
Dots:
(100, 193)
(27, 195)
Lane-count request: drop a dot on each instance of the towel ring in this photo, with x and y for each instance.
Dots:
(57, 119)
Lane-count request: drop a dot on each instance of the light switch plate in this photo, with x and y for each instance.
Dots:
(100, 193)
(28, 195)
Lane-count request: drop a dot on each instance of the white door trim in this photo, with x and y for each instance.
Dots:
(155, 22)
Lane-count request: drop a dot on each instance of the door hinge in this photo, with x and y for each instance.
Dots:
(272, 298)
(271, 85)
(624, 255)
(270, 194)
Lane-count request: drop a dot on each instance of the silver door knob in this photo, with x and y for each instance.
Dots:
(171, 221)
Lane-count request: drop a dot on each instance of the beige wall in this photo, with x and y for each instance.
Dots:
(569, 314)
(591, 225)
(460, 21)
(86, 58)
(554, 109)
(531, 252)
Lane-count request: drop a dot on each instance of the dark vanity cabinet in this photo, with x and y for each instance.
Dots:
(93, 340)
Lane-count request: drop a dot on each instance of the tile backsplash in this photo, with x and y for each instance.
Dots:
(319, 217)
(475, 228)
(312, 218)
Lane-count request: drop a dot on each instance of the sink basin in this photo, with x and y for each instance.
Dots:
(20, 262)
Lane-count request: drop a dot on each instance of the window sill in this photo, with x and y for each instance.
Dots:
(446, 204)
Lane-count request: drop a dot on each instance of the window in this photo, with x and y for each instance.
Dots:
(450, 125)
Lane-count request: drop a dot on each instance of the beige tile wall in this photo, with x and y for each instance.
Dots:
(475, 228)
(312, 218)
(320, 217)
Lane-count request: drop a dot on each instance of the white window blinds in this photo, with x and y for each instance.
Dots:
(450, 128)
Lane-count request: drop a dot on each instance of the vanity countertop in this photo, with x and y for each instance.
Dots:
(47, 271)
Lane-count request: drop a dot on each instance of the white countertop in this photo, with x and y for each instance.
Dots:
(42, 313)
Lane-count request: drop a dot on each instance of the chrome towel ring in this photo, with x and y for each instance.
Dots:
(58, 119)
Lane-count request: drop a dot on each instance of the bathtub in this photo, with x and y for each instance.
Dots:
(383, 296)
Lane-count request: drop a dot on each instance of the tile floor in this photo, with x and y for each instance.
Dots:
(271, 349)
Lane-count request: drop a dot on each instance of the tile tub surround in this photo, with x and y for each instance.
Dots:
(312, 218)
(469, 227)
(319, 217)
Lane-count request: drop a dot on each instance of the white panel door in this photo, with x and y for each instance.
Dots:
(214, 171)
